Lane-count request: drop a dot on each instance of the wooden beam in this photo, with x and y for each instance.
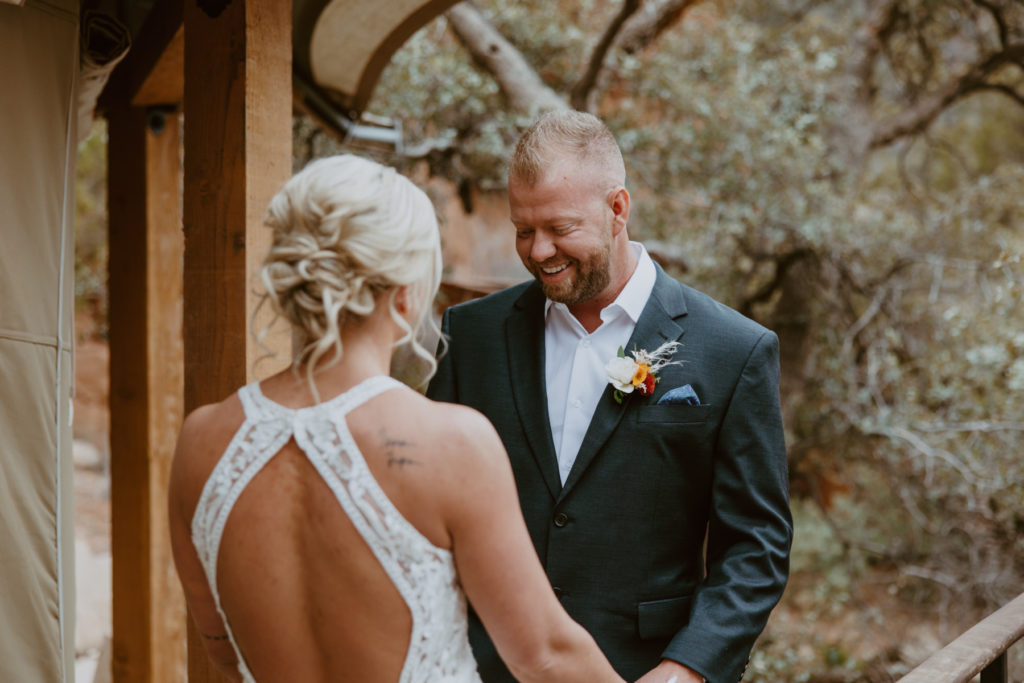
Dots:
(152, 73)
(238, 154)
(975, 649)
(146, 390)
(165, 83)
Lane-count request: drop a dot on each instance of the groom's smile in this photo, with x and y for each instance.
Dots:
(555, 269)
(552, 274)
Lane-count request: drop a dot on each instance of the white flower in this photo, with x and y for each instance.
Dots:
(620, 373)
(625, 373)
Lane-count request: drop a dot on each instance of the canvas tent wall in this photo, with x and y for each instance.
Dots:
(39, 54)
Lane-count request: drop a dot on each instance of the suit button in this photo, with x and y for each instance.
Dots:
(561, 519)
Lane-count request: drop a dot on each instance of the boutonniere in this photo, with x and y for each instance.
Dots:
(638, 371)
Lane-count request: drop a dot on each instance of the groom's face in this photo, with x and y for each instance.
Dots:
(563, 228)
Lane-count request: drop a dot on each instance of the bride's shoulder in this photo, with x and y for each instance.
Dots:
(464, 430)
(204, 434)
(449, 423)
(457, 419)
(208, 422)
(446, 433)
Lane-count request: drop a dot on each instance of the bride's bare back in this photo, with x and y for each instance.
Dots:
(306, 597)
(323, 597)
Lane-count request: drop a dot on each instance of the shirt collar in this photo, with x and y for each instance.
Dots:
(633, 297)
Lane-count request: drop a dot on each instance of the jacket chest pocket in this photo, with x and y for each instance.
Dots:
(680, 433)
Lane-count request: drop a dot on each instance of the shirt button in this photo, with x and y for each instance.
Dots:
(586, 343)
(561, 519)
(576, 403)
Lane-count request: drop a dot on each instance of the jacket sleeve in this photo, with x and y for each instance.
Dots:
(750, 528)
(442, 384)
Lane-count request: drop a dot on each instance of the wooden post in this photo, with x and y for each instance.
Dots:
(238, 152)
(146, 390)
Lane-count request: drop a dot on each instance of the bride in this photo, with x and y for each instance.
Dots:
(326, 521)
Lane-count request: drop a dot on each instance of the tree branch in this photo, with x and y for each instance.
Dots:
(919, 116)
(581, 90)
(868, 43)
(783, 262)
(519, 81)
(970, 426)
(863, 321)
(1004, 89)
(898, 433)
(997, 17)
(632, 30)
(656, 17)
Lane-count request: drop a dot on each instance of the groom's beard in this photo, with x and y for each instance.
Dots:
(592, 277)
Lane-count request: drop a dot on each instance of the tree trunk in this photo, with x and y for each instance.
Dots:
(519, 81)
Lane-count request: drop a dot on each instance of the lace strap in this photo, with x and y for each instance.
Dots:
(253, 445)
(250, 397)
(257, 405)
(363, 392)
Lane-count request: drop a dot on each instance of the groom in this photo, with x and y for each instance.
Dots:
(662, 518)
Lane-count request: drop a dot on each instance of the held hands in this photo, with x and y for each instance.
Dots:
(671, 672)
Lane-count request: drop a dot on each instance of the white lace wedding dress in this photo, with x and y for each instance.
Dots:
(423, 573)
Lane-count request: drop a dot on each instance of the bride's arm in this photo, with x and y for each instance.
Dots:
(183, 495)
(500, 571)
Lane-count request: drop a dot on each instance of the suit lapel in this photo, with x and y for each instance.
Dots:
(524, 331)
(660, 321)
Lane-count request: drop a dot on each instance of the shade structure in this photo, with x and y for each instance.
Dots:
(39, 50)
(339, 49)
(342, 46)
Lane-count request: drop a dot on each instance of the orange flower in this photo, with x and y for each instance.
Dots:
(640, 374)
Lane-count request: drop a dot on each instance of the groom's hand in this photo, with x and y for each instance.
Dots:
(671, 672)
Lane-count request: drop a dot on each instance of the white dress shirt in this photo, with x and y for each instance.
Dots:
(574, 360)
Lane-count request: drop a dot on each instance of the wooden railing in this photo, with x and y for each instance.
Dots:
(981, 649)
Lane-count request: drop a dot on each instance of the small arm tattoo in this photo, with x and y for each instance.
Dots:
(209, 637)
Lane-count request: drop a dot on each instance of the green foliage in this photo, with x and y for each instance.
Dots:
(893, 277)
(91, 227)
(437, 91)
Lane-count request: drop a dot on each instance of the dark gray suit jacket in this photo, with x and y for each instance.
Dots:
(623, 540)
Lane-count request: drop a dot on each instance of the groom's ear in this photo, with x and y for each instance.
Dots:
(618, 202)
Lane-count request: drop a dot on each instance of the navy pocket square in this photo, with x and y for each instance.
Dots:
(684, 395)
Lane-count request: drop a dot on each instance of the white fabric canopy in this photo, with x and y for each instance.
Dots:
(343, 45)
(39, 54)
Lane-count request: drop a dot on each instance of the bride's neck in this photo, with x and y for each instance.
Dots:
(366, 348)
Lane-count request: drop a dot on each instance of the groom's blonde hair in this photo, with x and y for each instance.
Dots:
(563, 132)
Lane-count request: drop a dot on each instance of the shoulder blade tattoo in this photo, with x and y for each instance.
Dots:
(394, 448)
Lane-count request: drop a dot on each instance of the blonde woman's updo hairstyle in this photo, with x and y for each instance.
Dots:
(345, 231)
